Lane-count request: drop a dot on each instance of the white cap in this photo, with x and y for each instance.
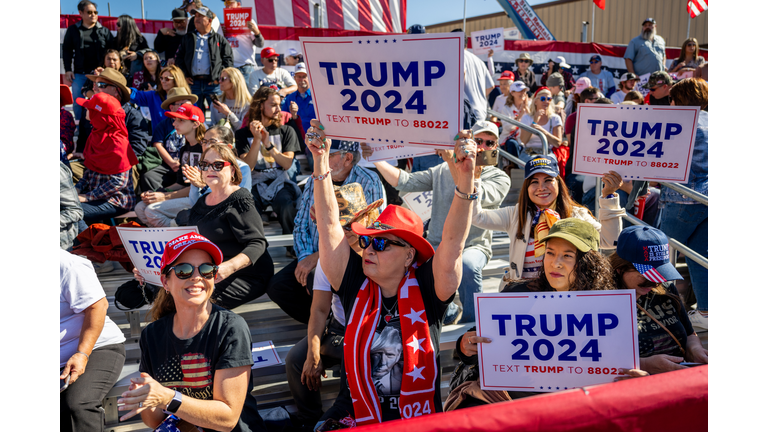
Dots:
(292, 52)
(563, 64)
(300, 68)
(518, 86)
(485, 126)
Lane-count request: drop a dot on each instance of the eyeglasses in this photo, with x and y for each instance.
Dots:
(656, 88)
(103, 85)
(379, 243)
(594, 61)
(489, 143)
(92, 13)
(186, 270)
(274, 59)
(224, 78)
(166, 79)
(691, 44)
(544, 98)
(209, 141)
(216, 166)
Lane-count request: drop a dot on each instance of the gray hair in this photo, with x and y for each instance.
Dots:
(356, 155)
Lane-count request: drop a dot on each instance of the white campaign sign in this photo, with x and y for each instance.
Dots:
(388, 89)
(420, 203)
(485, 40)
(550, 341)
(385, 152)
(640, 142)
(145, 247)
(264, 354)
(643, 81)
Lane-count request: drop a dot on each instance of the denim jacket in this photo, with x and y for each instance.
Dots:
(698, 179)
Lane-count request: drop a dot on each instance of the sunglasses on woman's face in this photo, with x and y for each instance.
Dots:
(489, 143)
(216, 166)
(544, 98)
(186, 270)
(691, 44)
(379, 243)
(165, 79)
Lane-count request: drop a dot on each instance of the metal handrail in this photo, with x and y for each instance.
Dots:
(677, 187)
(544, 144)
(674, 244)
(506, 155)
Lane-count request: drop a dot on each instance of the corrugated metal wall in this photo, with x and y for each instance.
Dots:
(617, 24)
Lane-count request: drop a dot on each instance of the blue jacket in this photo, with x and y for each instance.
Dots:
(698, 179)
(306, 107)
(150, 99)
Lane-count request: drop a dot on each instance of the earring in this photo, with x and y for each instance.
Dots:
(167, 292)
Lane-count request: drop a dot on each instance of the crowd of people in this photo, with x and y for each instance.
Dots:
(199, 131)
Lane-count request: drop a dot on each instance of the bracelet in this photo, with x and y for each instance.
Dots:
(86, 355)
(469, 197)
(269, 148)
(322, 176)
(609, 196)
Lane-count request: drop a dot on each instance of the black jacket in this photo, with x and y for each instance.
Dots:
(218, 47)
(167, 44)
(88, 59)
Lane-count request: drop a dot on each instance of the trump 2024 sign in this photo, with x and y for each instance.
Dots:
(388, 89)
(550, 341)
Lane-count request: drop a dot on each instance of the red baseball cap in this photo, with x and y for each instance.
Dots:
(506, 75)
(187, 112)
(269, 52)
(185, 242)
(65, 94)
(104, 103)
(403, 223)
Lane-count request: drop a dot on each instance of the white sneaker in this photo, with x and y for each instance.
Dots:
(699, 322)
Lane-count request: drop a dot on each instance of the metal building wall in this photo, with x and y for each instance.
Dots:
(618, 24)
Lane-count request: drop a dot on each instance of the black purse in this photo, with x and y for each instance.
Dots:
(133, 296)
(464, 373)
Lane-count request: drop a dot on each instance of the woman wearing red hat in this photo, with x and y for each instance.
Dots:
(195, 356)
(394, 296)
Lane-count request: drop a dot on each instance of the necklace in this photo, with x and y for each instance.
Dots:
(388, 311)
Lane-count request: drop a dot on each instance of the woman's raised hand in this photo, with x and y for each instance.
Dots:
(366, 150)
(465, 152)
(315, 139)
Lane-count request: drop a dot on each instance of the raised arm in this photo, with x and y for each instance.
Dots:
(446, 265)
(333, 247)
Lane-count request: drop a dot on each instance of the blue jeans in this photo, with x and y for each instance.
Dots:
(204, 89)
(423, 163)
(246, 70)
(98, 210)
(77, 87)
(688, 224)
(472, 262)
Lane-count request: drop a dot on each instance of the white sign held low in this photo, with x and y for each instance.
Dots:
(388, 89)
(386, 152)
(420, 203)
(264, 354)
(640, 142)
(145, 247)
(551, 341)
(485, 40)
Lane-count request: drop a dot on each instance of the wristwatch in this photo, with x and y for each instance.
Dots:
(175, 403)
(269, 148)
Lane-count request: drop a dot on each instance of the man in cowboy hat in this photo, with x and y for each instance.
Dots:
(291, 286)
(524, 73)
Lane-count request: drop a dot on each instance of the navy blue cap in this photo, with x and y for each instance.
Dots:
(596, 57)
(541, 164)
(339, 145)
(416, 29)
(647, 249)
(650, 20)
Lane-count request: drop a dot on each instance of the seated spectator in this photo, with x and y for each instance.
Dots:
(543, 200)
(626, 85)
(555, 84)
(575, 181)
(271, 74)
(523, 73)
(70, 211)
(160, 208)
(505, 80)
(168, 38)
(395, 254)
(111, 60)
(572, 262)
(689, 60)
(322, 347)
(244, 45)
(516, 106)
(541, 115)
(91, 346)
(665, 334)
(271, 158)
(293, 57)
(635, 96)
(130, 43)
(291, 287)
(106, 188)
(235, 99)
(441, 180)
(228, 217)
(149, 76)
(66, 120)
(683, 218)
(559, 65)
(170, 77)
(602, 79)
(187, 327)
(659, 84)
(573, 98)
(168, 143)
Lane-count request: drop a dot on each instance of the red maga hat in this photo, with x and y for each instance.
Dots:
(185, 242)
(65, 94)
(104, 103)
(507, 75)
(403, 223)
(269, 52)
(187, 112)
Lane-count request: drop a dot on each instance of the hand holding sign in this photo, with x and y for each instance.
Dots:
(469, 343)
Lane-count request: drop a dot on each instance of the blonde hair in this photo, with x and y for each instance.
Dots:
(239, 87)
(178, 80)
(532, 108)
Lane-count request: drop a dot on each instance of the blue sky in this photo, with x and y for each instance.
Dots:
(423, 12)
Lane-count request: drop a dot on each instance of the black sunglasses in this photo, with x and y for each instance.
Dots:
(489, 143)
(273, 60)
(186, 270)
(103, 85)
(216, 166)
(379, 243)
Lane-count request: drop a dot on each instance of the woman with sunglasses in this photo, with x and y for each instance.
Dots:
(195, 356)
(400, 289)
(666, 336)
(572, 262)
(689, 59)
(541, 116)
(524, 73)
(170, 77)
(236, 101)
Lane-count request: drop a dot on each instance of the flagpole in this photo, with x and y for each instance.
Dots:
(593, 21)
(688, 33)
(465, 17)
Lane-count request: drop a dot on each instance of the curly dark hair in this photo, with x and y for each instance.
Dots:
(593, 273)
(261, 96)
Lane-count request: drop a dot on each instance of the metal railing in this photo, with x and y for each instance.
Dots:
(544, 144)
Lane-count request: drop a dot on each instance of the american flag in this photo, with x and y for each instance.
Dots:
(650, 273)
(696, 7)
(371, 15)
(192, 371)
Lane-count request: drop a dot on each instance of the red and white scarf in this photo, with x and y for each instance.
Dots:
(417, 391)
(543, 221)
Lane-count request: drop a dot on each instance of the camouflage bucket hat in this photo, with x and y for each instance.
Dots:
(352, 204)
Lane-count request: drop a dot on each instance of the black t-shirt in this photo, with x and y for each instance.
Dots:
(189, 365)
(188, 155)
(652, 338)
(283, 137)
(387, 347)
